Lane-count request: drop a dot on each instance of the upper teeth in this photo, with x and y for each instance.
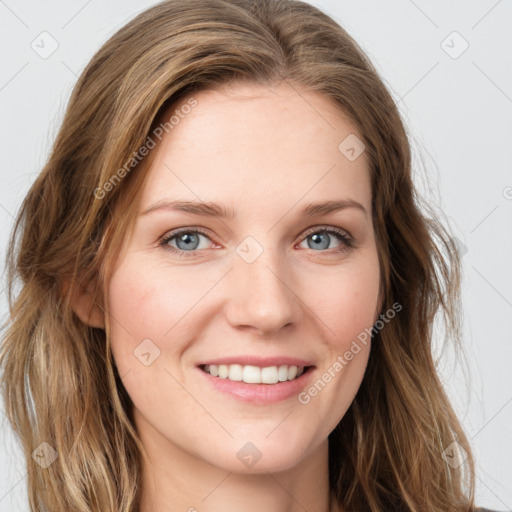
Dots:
(254, 374)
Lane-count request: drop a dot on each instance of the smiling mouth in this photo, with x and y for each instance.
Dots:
(255, 374)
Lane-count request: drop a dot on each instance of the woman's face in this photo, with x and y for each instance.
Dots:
(265, 288)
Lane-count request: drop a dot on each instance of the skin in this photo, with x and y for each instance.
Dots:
(264, 152)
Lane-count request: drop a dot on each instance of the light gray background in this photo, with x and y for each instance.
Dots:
(459, 115)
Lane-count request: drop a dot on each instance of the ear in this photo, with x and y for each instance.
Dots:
(85, 306)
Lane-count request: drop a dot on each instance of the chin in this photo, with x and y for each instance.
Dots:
(247, 457)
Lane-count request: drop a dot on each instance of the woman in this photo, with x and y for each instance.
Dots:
(261, 369)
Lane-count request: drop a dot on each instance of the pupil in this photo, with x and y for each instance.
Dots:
(187, 239)
(317, 239)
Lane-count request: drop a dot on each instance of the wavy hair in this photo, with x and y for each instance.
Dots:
(59, 383)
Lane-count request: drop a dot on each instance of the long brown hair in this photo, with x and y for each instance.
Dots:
(60, 385)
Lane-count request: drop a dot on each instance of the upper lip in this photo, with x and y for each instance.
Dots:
(259, 361)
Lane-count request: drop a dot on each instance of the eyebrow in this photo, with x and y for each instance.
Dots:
(210, 209)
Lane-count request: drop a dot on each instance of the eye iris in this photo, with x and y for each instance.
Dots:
(318, 242)
(185, 237)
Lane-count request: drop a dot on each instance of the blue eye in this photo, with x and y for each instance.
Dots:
(188, 239)
(321, 237)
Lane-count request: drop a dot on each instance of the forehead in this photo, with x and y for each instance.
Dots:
(250, 142)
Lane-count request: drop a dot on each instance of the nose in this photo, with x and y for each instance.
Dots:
(263, 295)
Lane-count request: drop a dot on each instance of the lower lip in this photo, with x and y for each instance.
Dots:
(259, 393)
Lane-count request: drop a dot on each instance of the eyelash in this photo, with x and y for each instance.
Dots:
(347, 240)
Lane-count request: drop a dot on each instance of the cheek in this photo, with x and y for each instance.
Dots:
(147, 300)
(345, 307)
(136, 301)
(147, 321)
(347, 302)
